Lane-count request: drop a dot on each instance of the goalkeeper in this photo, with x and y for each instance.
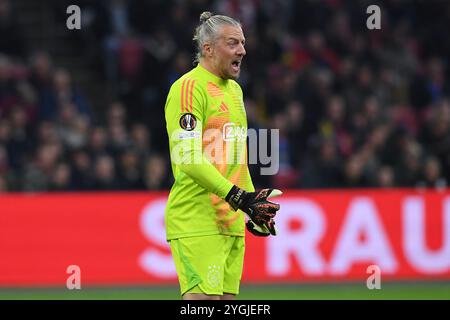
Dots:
(213, 192)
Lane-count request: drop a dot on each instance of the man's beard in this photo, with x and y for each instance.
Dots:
(229, 75)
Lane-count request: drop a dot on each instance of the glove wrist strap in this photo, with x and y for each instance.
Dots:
(235, 197)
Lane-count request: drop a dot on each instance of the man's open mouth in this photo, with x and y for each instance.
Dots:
(236, 64)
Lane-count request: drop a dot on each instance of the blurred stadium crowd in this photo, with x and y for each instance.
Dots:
(355, 107)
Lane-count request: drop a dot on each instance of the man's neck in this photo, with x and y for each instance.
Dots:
(209, 67)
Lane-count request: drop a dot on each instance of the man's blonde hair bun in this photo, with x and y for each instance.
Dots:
(205, 16)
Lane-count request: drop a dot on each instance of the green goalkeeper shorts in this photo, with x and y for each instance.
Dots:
(209, 264)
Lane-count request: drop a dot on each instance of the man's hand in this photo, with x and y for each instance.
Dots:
(263, 231)
(255, 204)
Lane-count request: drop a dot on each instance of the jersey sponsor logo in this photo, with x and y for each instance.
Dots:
(188, 122)
(187, 89)
(233, 132)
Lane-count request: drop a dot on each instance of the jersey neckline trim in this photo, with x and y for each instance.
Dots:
(211, 76)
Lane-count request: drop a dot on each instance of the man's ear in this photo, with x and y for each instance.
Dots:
(208, 49)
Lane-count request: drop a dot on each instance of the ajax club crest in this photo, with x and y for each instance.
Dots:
(214, 276)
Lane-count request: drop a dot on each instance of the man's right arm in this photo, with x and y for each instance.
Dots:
(184, 120)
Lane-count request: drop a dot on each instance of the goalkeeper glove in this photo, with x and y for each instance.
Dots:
(263, 231)
(260, 211)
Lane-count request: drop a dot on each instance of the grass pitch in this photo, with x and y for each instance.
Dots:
(347, 291)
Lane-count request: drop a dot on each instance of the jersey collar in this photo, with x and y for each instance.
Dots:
(211, 76)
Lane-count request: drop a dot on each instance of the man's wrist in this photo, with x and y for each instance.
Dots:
(235, 197)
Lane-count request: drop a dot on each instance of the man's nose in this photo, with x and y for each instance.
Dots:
(241, 50)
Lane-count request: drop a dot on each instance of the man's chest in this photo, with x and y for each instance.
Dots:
(225, 103)
(226, 117)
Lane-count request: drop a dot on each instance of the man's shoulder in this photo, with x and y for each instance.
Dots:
(191, 76)
(236, 86)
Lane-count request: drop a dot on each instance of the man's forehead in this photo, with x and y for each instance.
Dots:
(229, 31)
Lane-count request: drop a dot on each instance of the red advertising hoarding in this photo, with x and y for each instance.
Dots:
(119, 238)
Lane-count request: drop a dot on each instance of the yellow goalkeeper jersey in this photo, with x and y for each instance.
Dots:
(207, 130)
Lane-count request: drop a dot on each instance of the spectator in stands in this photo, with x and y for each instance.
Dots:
(322, 170)
(82, 177)
(4, 163)
(104, 174)
(385, 177)
(72, 127)
(38, 173)
(355, 108)
(19, 145)
(431, 175)
(3, 184)
(129, 170)
(41, 71)
(409, 163)
(354, 172)
(435, 135)
(62, 91)
(60, 179)
(11, 35)
(141, 140)
(156, 173)
(8, 93)
(98, 142)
